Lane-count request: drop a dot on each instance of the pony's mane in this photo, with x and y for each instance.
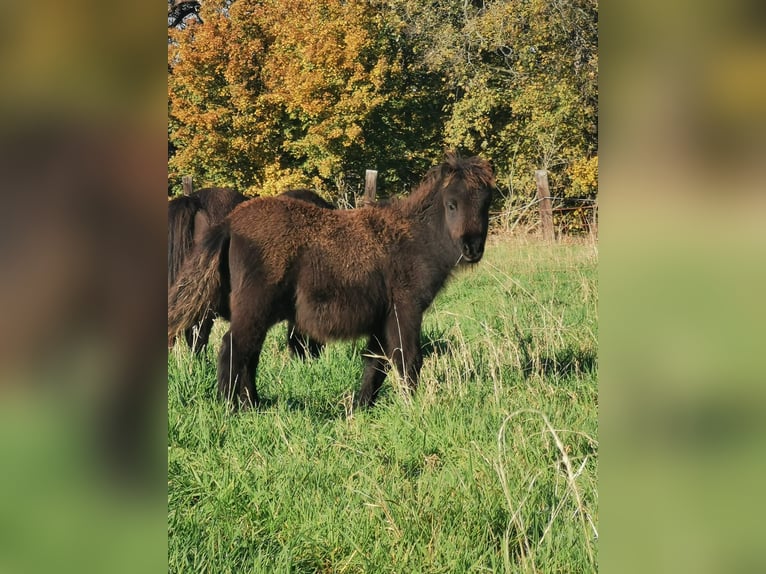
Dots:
(474, 171)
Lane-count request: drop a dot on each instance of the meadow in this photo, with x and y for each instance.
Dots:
(491, 466)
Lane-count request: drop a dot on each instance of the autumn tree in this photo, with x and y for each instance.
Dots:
(271, 94)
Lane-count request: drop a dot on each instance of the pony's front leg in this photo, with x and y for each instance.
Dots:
(403, 345)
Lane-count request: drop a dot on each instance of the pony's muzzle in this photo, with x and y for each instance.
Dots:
(473, 248)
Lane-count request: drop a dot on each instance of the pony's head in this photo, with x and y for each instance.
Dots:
(467, 186)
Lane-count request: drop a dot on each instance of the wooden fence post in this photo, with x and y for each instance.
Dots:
(370, 186)
(544, 198)
(186, 181)
(594, 221)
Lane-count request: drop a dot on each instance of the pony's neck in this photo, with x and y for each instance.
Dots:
(424, 211)
(423, 203)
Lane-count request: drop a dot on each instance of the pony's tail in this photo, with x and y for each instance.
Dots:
(181, 212)
(198, 287)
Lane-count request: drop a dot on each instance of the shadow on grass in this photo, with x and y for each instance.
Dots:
(436, 343)
(322, 409)
(318, 411)
(565, 362)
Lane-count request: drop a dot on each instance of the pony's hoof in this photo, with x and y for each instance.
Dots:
(246, 403)
(361, 403)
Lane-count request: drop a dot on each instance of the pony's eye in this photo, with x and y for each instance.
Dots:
(451, 206)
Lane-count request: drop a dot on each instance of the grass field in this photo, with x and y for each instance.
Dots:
(490, 467)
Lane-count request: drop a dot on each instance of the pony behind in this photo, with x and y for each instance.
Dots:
(189, 219)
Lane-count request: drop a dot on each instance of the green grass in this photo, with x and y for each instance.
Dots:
(490, 467)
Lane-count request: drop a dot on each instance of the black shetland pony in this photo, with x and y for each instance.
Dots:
(190, 217)
(337, 274)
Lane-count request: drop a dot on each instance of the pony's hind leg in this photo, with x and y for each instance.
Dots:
(375, 369)
(250, 321)
(237, 364)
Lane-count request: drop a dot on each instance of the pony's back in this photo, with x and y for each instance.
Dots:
(294, 228)
(218, 202)
(308, 196)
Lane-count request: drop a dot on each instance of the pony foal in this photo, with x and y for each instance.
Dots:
(189, 219)
(337, 274)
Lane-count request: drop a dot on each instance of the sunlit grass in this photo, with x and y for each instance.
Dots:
(491, 466)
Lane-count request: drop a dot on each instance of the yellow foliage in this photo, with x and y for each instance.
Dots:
(278, 180)
(583, 176)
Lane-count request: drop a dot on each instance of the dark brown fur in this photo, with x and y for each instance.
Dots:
(189, 219)
(338, 274)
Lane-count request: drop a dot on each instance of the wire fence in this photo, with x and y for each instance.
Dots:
(566, 219)
(514, 217)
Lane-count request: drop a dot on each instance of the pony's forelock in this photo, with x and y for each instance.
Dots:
(474, 171)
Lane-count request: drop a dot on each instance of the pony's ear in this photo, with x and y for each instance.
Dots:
(446, 170)
(449, 165)
(451, 157)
